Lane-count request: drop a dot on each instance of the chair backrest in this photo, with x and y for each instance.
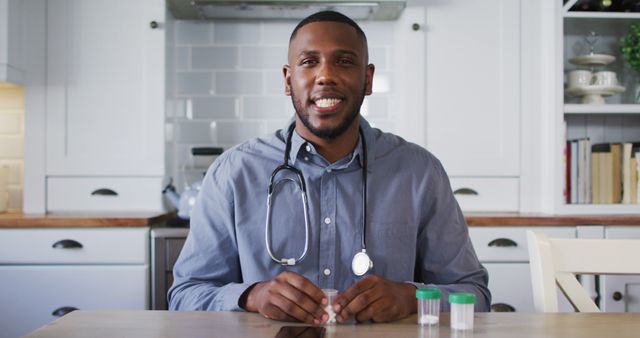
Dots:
(558, 261)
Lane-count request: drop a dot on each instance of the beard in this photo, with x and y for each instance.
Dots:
(327, 133)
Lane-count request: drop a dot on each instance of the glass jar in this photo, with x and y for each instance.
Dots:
(428, 306)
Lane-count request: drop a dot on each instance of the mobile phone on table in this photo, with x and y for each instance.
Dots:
(301, 332)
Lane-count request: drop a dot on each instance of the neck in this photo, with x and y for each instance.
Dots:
(334, 149)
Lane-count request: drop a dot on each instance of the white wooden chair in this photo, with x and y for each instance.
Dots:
(558, 261)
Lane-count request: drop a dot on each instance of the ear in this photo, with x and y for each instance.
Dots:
(369, 79)
(286, 71)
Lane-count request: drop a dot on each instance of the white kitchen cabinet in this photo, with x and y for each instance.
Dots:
(620, 293)
(504, 252)
(44, 273)
(473, 86)
(105, 88)
(11, 41)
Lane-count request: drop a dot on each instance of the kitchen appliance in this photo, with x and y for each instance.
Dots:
(283, 9)
(185, 201)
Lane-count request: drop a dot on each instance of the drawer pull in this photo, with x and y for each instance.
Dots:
(617, 296)
(502, 242)
(465, 191)
(502, 307)
(67, 244)
(104, 192)
(61, 311)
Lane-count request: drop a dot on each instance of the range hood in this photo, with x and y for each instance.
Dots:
(282, 9)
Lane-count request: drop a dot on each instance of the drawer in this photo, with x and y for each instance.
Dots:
(486, 193)
(96, 194)
(32, 294)
(74, 246)
(509, 244)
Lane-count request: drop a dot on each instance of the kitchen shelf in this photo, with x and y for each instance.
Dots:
(598, 209)
(602, 109)
(602, 15)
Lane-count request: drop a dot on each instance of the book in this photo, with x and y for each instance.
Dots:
(601, 176)
(595, 176)
(616, 174)
(573, 183)
(626, 173)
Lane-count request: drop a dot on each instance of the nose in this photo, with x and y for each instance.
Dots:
(326, 75)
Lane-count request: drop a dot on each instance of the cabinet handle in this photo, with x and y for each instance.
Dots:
(465, 191)
(61, 311)
(502, 242)
(502, 307)
(153, 24)
(617, 296)
(104, 192)
(67, 244)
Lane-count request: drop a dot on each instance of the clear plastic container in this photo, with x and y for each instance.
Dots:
(428, 306)
(462, 310)
(331, 295)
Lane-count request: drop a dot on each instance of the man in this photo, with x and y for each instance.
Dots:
(414, 231)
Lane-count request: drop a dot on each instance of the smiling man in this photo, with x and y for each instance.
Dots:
(377, 220)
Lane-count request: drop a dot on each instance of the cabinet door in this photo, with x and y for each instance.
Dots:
(620, 293)
(31, 295)
(473, 86)
(105, 88)
(510, 286)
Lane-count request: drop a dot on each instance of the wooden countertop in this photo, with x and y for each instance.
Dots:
(20, 220)
(515, 219)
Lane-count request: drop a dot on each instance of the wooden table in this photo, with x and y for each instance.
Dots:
(142, 324)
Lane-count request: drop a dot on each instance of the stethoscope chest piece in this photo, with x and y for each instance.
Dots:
(361, 263)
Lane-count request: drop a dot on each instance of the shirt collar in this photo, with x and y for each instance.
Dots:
(298, 143)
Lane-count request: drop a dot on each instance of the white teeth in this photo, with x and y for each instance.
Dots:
(324, 103)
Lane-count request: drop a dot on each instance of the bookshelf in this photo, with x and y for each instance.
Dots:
(615, 121)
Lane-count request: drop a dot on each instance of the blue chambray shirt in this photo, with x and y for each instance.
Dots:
(415, 231)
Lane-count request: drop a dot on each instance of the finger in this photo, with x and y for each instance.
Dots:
(359, 303)
(303, 284)
(302, 300)
(382, 310)
(271, 311)
(356, 289)
(291, 309)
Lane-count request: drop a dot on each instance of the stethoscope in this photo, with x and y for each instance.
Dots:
(361, 262)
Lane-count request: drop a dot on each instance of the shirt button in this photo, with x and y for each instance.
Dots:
(308, 147)
(326, 272)
(328, 170)
(306, 158)
(327, 220)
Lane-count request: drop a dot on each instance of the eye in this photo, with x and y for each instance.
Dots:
(345, 61)
(308, 62)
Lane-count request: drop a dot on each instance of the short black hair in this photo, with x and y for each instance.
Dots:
(329, 16)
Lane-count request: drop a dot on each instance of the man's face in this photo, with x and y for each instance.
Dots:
(327, 77)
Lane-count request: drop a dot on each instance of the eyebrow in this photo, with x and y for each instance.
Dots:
(305, 53)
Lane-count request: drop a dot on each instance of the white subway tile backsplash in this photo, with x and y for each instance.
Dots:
(11, 147)
(378, 56)
(248, 83)
(214, 57)
(214, 107)
(238, 132)
(15, 171)
(15, 197)
(267, 57)
(274, 82)
(277, 33)
(193, 32)
(10, 123)
(11, 97)
(182, 57)
(194, 83)
(273, 125)
(193, 132)
(264, 107)
(236, 33)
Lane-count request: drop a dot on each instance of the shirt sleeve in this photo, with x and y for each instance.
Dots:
(207, 274)
(446, 258)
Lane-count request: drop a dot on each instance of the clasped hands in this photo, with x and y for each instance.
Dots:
(291, 297)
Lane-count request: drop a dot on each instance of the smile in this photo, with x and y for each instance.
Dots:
(327, 102)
